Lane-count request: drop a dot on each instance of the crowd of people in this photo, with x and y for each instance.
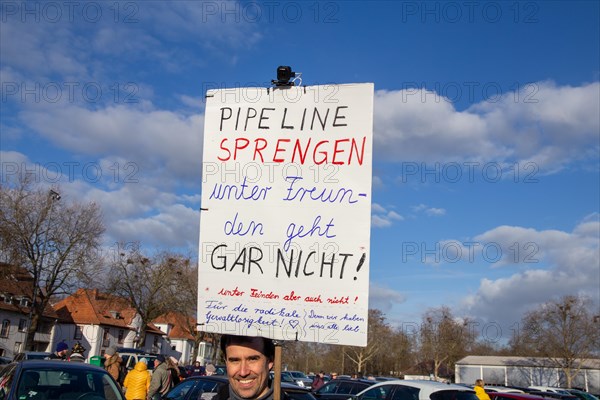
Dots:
(137, 383)
(248, 360)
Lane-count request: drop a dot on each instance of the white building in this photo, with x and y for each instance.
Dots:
(525, 371)
(16, 293)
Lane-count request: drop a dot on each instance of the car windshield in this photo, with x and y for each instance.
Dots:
(297, 374)
(67, 383)
(150, 361)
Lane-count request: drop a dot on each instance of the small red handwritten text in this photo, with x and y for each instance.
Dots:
(233, 293)
(263, 295)
(338, 300)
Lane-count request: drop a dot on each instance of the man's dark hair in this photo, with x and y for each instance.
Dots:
(268, 345)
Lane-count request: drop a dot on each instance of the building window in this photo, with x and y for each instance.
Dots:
(8, 299)
(1, 352)
(5, 328)
(22, 325)
(121, 336)
(78, 333)
(44, 327)
(106, 338)
(17, 348)
(24, 302)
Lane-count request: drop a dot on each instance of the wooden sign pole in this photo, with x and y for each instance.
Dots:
(277, 372)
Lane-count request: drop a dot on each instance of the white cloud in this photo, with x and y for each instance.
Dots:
(435, 211)
(175, 226)
(556, 126)
(160, 144)
(377, 208)
(69, 42)
(377, 182)
(429, 211)
(561, 263)
(383, 218)
(384, 298)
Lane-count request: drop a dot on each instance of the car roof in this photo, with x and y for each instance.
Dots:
(32, 364)
(361, 382)
(516, 396)
(549, 389)
(502, 389)
(426, 387)
(543, 393)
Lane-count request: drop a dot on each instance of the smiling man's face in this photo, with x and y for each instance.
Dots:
(248, 368)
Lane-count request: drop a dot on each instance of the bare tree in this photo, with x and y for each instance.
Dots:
(398, 354)
(377, 336)
(149, 283)
(187, 298)
(443, 338)
(54, 241)
(565, 331)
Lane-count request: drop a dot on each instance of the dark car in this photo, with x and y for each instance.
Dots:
(31, 355)
(553, 395)
(512, 396)
(284, 378)
(205, 387)
(342, 388)
(220, 370)
(50, 379)
(581, 394)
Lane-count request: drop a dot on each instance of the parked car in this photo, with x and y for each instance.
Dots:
(551, 389)
(51, 379)
(415, 390)
(342, 388)
(5, 360)
(31, 355)
(512, 396)
(284, 378)
(220, 370)
(554, 395)
(130, 359)
(300, 377)
(581, 394)
(205, 387)
(502, 389)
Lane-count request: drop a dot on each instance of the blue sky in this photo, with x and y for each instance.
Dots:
(486, 129)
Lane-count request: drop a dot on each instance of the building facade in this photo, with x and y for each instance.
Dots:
(98, 321)
(16, 299)
(525, 371)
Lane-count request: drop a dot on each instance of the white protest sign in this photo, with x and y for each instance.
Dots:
(285, 226)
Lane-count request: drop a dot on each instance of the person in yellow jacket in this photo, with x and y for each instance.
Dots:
(137, 382)
(480, 391)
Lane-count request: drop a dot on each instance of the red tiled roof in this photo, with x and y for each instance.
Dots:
(180, 325)
(17, 283)
(92, 307)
